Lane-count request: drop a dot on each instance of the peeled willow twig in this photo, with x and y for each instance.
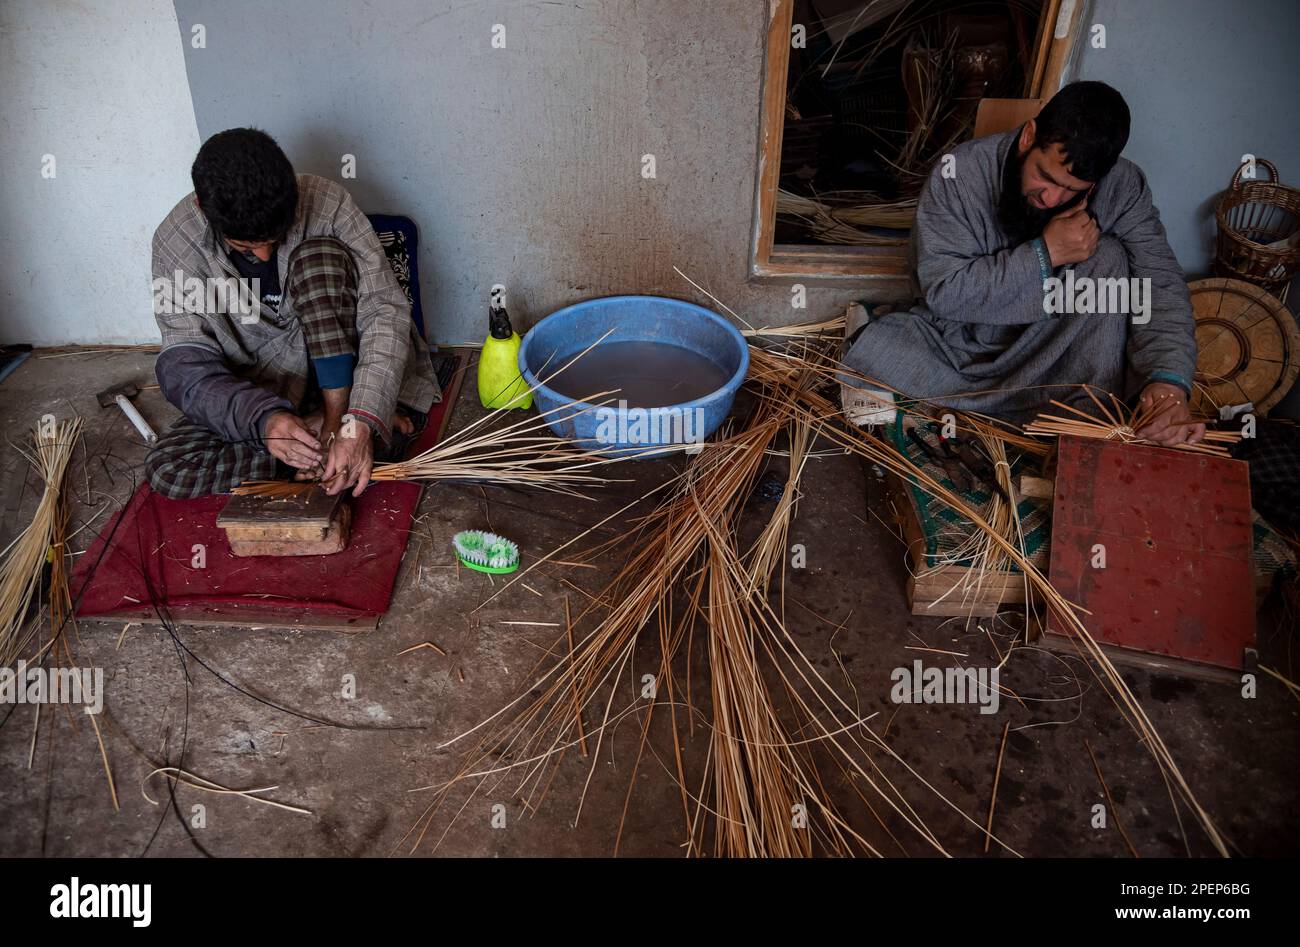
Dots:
(825, 415)
(763, 689)
(757, 773)
(1120, 423)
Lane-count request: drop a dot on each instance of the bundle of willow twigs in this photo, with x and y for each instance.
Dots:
(980, 556)
(840, 221)
(1063, 614)
(485, 451)
(857, 208)
(686, 574)
(1120, 423)
(513, 454)
(42, 541)
(772, 716)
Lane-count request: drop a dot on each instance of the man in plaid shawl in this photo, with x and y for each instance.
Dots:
(287, 342)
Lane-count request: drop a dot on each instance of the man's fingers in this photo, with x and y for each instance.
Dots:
(339, 475)
(331, 465)
(304, 436)
(1196, 434)
(295, 452)
(338, 480)
(363, 479)
(1074, 211)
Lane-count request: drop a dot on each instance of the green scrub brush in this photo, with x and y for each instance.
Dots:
(486, 552)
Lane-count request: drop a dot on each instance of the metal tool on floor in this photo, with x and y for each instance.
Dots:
(121, 395)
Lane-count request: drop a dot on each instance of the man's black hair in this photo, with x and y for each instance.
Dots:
(245, 185)
(1090, 120)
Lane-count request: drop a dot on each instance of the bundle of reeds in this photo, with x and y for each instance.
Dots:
(838, 217)
(40, 542)
(685, 576)
(980, 557)
(487, 451)
(1064, 615)
(1121, 423)
(772, 715)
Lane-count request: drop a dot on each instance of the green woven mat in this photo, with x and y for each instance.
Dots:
(943, 529)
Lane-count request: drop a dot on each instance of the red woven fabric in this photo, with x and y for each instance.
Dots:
(152, 549)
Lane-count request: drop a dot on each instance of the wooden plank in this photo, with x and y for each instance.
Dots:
(780, 20)
(830, 262)
(1001, 115)
(1067, 24)
(1038, 488)
(1153, 663)
(311, 510)
(1046, 27)
(921, 603)
(1177, 586)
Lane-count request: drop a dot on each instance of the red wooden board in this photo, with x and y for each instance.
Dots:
(1176, 528)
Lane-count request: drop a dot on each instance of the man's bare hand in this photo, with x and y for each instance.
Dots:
(1172, 423)
(351, 457)
(1071, 236)
(290, 440)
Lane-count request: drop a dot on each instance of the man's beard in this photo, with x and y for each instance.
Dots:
(1020, 219)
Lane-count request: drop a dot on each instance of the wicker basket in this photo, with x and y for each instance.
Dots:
(1259, 230)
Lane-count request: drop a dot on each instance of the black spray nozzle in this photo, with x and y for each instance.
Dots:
(499, 323)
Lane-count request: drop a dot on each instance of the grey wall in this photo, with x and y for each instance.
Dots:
(521, 166)
(100, 86)
(1207, 81)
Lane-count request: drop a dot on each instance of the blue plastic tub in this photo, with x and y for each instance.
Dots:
(615, 431)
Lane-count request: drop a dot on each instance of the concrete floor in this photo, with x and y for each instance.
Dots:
(1239, 755)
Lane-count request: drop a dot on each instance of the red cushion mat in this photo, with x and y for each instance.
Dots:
(149, 559)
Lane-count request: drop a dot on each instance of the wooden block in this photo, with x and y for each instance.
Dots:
(301, 533)
(1040, 488)
(312, 510)
(930, 589)
(334, 539)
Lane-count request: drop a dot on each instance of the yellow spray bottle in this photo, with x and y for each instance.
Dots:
(500, 385)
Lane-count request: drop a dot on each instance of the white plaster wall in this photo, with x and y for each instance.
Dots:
(99, 84)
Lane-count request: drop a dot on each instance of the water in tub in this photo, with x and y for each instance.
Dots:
(647, 374)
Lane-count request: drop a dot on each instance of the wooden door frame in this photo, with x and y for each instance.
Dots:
(1058, 29)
